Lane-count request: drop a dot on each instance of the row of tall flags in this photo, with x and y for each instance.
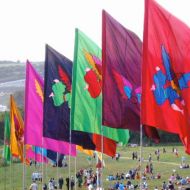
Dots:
(13, 140)
(100, 92)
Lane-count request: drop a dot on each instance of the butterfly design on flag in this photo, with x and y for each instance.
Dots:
(126, 89)
(168, 85)
(93, 79)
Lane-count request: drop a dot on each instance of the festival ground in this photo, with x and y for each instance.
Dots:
(169, 163)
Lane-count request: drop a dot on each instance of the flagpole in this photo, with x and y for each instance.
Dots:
(5, 175)
(102, 157)
(70, 158)
(141, 143)
(11, 172)
(97, 171)
(75, 172)
(23, 167)
(4, 158)
(42, 163)
(57, 167)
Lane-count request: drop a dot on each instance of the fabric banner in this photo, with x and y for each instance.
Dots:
(57, 101)
(6, 148)
(33, 107)
(34, 98)
(17, 130)
(166, 72)
(87, 87)
(38, 156)
(121, 57)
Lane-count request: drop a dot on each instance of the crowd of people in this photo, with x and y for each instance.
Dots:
(122, 180)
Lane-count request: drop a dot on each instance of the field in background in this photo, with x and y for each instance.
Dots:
(167, 164)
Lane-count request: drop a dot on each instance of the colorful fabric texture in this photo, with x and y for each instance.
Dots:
(36, 153)
(166, 72)
(34, 98)
(122, 77)
(87, 87)
(58, 80)
(17, 130)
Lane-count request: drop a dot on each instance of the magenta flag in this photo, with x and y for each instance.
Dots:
(34, 98)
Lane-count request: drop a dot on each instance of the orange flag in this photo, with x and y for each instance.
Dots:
(17, 130)
(88, 152)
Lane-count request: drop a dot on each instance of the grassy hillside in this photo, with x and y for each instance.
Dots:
(167, 164)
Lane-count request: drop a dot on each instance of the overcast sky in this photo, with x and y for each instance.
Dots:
(27, 25)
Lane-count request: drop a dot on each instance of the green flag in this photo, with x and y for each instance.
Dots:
(119, 135)
(6, 148)
(86, 109)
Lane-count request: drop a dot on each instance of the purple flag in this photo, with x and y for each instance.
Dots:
(34, 98)
(121, 57)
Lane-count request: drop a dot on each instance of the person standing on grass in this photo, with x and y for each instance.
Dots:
(67, 182)
(60, 182)
(33, 186)
(158, 156)
(151, 168)
(50, 185)
(150, 157)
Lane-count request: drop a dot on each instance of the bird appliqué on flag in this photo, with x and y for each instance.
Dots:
(168, 85)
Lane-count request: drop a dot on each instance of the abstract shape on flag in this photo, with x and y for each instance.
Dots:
(93, 77)
(166, 72)
(167, 85)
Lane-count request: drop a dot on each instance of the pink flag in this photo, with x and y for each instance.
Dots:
(34, 98)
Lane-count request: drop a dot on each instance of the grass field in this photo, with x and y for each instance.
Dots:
(12, 179)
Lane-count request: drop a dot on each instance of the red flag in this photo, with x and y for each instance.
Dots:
(109, 145)
(166, 72)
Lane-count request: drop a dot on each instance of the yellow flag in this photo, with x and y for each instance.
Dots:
(17, 130)
(88, 152)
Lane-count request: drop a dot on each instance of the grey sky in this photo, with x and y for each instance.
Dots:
(26, 25)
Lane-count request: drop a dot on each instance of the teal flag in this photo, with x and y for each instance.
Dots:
(86, 109)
